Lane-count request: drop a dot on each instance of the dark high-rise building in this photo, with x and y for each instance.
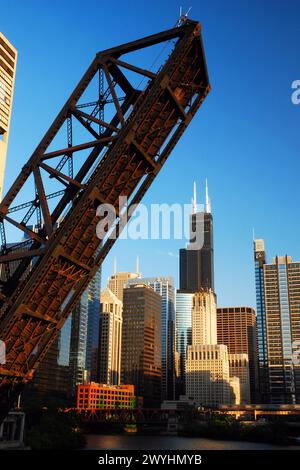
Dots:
(260, 260)
(196, 263)
(52, 377)
(237, 329)
(84, 345)
(141, 342)
(279, 298)
(73, 358)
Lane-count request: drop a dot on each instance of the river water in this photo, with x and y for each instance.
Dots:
(132, 442)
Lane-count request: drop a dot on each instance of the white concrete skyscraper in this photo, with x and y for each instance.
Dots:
(207, 363)
(110, 338)
(204, 318)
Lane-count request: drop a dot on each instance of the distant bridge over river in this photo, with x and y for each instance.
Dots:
(157, 416)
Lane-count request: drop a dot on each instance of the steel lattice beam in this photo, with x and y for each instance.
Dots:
(42, 281)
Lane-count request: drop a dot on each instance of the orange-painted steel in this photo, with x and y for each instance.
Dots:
(43, 277)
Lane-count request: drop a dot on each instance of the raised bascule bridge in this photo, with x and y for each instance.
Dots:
(110, 139)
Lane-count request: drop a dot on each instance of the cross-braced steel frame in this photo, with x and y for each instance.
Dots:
(43, 277)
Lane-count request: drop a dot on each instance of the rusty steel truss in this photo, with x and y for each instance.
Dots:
(43, 276)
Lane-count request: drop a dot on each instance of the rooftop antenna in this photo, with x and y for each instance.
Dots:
(207, 199)
(183, 16)
(137, 265)
(194, 200)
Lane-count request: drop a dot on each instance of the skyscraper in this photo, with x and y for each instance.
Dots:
(141, 342)
(197, 265)
(237, 329)
(164, 286)
(84, 346)
(73, 358)
(92, 344)
(196, 272)
(204, 317)
(183, 316)
(8, 62)
(52, 377)
(207, 363)
(260, 260)
(78, 344)
(110, 338)
(280, 298)
(118, 280)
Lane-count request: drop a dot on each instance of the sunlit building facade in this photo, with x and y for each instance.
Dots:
(95, 396)
(141, 342)
(207, 363)
(237, 329)
(282, 304)
(110, 338)
(8, 62)
(164, 286)
(279, 299)
(204, 317)
(235, 390)
(118, 281)
(207, 375)
(239, 367)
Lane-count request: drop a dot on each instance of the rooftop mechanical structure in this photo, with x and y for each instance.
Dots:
(110, 139)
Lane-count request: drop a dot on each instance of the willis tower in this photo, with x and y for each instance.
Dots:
(197, 265)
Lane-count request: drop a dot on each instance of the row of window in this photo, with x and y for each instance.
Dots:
(105, 400)
(4, 99)
(7, 48)
(4, 120)
(104, 394)
(6, 78)
(205, 355)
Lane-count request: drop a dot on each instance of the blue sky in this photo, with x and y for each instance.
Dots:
(244, 138)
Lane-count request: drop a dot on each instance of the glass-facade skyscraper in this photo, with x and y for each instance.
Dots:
(73, 357)
(184, 304)
(260, 260)
(92, 346)
(53, 374)
(84, 346)
(279, 300)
